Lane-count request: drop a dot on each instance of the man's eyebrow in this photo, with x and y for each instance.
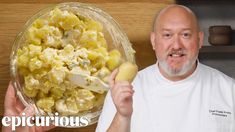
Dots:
(184, 29)
(165, 29)
(187, 29)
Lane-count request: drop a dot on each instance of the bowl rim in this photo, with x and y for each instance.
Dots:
(129, 52)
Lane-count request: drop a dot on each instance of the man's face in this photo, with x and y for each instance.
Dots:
(176, 42)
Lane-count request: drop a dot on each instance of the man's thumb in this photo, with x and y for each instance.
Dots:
(28, 111)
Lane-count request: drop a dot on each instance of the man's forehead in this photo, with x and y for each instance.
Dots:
(176, 25)
(176, 14)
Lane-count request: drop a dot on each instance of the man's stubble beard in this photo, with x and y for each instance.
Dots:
(187, 66)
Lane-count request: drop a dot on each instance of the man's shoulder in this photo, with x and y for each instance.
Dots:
(214, 73)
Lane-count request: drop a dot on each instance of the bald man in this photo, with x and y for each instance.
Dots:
(178, 93)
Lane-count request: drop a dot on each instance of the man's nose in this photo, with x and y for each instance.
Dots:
(177, 44)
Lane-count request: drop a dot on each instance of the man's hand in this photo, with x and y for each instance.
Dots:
(13, 107)
(121, 92)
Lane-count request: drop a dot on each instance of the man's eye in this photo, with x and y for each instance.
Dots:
(186, 35)
(167, 35)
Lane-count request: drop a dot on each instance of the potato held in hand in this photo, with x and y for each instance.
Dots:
(127, 72)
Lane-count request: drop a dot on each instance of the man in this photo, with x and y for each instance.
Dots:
(178, 93)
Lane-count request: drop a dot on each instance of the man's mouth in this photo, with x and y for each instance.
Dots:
(176, 55)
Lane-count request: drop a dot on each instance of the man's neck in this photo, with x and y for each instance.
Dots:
(180, 77)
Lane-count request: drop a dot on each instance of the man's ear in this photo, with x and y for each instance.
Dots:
(152, 38)
(201, 39)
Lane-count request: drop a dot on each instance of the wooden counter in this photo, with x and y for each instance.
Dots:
(134, 16)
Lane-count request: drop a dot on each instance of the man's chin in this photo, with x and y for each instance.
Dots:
(177, 65)
(177, 70)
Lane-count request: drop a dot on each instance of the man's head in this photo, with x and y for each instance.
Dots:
(176, 40)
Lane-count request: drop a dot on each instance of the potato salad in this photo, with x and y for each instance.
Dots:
(59, 43)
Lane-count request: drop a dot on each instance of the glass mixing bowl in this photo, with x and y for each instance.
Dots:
(114, 35)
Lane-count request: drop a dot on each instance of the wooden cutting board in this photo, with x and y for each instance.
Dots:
(134, 16)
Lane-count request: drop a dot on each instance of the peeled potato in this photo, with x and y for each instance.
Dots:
(46, 103)
(113, 62)
(127, 72)
(70, 21)
(30, 92)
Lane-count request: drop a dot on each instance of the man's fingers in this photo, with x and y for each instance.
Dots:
(120, 93)
(47, 128)
(19, 105)
(28, 111)
(119, 85)
(10, 98)
(11, 101)
(123, 89)
(124, 97)
(112, 78)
